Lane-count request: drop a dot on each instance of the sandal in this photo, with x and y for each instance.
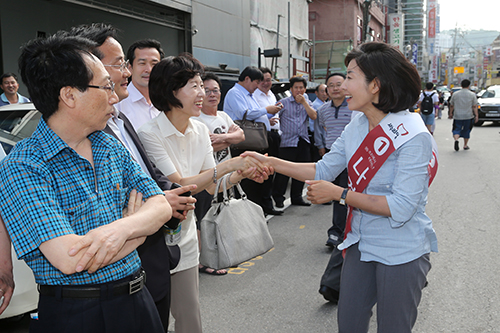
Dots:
(204, 269)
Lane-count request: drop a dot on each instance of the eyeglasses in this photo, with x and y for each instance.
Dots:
(109, 87)
(215, 92)
(121, 67)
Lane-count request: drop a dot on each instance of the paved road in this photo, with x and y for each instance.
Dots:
(278, 292)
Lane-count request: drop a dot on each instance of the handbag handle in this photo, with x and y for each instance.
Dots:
(244, 117)
(238, 187)
(223, 181)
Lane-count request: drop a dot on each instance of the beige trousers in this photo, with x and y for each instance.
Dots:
(185, 303)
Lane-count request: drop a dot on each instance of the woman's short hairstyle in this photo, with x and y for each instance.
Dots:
(211, 76)
(169, 75)
(399, 82)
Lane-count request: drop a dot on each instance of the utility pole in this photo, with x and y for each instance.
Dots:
(451, 62)
(289, 42)
(366, 18)
(277, 46)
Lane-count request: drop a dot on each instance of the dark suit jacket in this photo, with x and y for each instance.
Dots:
(157, 258)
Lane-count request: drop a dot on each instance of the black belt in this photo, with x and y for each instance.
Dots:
(274, 130)
(110, 288)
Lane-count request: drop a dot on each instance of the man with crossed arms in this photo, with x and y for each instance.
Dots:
(62, 193)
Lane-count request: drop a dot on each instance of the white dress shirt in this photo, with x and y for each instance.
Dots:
(136, 108)
(188, 154)
(118, 127)
(265, 100)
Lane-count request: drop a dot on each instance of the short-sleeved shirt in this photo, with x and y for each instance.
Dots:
(48, 190)
(218, 124)
(238, 100)
(20, 99)
(435, 97)
(315, 105)
(265, 100)
(294, 122)
(463, 102)
(188, 154)
(333, 120)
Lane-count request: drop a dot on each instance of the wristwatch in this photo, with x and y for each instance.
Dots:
(343, 196)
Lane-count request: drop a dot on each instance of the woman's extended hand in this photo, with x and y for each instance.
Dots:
(256, 166)
(321, 191)
(263, 161)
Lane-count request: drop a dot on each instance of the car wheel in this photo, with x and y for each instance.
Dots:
(479, 123)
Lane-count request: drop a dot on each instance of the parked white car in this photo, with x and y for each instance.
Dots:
(25, 298)
(18, 121)
(489, 105)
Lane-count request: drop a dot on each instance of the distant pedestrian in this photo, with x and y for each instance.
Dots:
(463, 111)
(428, 100)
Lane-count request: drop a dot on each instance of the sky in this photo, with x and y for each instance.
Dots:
(470, 14)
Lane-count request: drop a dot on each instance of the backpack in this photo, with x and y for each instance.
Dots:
(427, 106)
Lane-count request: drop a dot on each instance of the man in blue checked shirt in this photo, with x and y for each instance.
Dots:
(63, 192)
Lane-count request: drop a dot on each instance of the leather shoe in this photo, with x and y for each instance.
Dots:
(268, 211)
(300, 203)
(331, 243)
(329, 294)
(280, 204)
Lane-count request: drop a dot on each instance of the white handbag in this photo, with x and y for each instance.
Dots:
(233, 231)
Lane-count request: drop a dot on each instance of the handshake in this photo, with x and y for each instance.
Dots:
(254, 166)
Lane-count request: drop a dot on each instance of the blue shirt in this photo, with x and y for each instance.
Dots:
(315, 105)
(47, 190)
(5, 101)
(293, 122)
(238, 100)
(403, 179)
(333, 119)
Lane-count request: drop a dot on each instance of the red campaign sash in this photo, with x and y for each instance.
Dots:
(392, 132)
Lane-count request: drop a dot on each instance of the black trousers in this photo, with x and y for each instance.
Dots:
(125, 314)
(260, 193)
(315, 157)
(339, 211)
(333, 271)
(331, 276)
(301, 153)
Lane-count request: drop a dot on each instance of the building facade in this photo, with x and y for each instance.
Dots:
(167, 21)
(336, 26)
